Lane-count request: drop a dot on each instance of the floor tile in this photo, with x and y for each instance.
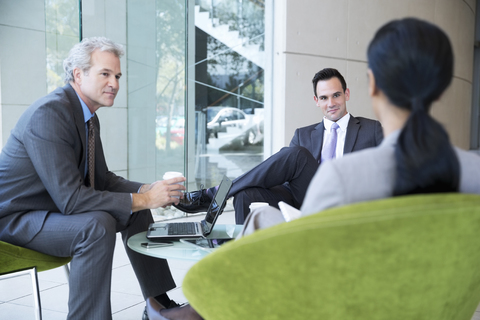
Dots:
(131, 312)
(125, 281)
(53, 299)
(123, 301)
(57, 275)
(19, 312)
(16, 288)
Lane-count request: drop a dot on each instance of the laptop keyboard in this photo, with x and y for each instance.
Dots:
(181, 228)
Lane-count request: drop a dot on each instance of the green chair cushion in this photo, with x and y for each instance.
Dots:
(410, 257)
(14, 258)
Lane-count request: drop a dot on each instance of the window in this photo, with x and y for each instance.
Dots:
(226, 71)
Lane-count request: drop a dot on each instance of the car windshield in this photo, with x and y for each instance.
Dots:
(212, 112)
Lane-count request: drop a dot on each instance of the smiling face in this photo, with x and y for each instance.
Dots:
(98, 86)
(332, 99)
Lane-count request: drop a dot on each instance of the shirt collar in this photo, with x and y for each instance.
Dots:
(342, 122)
(87, 115)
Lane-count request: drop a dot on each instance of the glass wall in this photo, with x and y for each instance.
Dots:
(227, 76)
(62, 25)
(156, 87)
(204, 120)
(194, 81)
(170, 86)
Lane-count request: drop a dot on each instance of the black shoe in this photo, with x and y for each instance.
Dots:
(173, 304)
(194, 202)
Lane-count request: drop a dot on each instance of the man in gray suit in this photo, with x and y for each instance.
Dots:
(48, 202)
(286, 175)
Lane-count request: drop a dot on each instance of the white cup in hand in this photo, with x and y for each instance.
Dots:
(173, 174)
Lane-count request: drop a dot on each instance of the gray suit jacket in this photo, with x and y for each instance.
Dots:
(42, 169)
(361, 176)
(362, 133)
(370, 175)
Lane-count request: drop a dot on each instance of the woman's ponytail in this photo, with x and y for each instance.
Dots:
(412, 62)
(426, 161)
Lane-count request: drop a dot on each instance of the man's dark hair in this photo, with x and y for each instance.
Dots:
(327, 74)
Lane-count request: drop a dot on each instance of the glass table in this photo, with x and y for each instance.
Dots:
(180, 250)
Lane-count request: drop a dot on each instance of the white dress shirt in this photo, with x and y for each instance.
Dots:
(341, 133)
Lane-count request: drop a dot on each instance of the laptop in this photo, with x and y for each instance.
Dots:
(161, 231)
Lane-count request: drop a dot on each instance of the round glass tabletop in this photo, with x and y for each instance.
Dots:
(180, 250)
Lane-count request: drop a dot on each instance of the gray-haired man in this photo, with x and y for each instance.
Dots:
(47, 205)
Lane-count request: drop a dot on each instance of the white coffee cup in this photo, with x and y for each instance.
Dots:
(173, 174)
(255, 205)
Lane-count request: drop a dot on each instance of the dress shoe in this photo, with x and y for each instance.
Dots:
(194, 202)
(185, 311)
(158, 306)
(152, 310)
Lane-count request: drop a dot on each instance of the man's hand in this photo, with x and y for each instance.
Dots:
(158, 194)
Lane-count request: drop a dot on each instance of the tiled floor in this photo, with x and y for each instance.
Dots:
(16, 300)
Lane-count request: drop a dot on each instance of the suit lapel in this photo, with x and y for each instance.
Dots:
(352, 132)
(100, 165)
(79, 122)
(317, 141)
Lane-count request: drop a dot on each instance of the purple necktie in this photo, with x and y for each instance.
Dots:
(328, 151)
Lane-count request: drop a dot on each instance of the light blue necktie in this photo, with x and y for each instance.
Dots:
(328, 151)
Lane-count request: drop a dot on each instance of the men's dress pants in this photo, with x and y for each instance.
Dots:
(90, 239)
(284, 176)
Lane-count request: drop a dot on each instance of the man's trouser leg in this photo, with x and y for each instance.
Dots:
(243, 199)
(153, 274)
(90, 239)
(294, 165)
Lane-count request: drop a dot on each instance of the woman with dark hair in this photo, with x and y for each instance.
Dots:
(410, 64)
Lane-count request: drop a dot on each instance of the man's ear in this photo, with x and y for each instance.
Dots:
(77, 75)
(347, 94)
(372, 87)
(315, 99)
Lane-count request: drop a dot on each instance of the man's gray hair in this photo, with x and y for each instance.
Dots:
(81, 53)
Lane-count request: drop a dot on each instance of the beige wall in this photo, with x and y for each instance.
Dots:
(313, 34)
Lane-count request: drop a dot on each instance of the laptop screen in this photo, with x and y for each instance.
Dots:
(218, 202)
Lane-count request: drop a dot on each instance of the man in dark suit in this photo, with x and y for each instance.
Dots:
(51, 204)
(286, 175)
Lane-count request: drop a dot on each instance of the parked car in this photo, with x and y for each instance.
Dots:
(220, 118)
(248, 128)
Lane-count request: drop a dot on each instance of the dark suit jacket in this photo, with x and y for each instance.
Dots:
(42, 169)
(362, 133)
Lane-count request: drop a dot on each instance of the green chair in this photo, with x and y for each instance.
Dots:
(17, 261)
(410, 257)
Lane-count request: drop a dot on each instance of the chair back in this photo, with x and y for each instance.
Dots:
(409, 257)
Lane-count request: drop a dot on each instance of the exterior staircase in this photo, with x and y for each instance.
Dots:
(231, 39)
